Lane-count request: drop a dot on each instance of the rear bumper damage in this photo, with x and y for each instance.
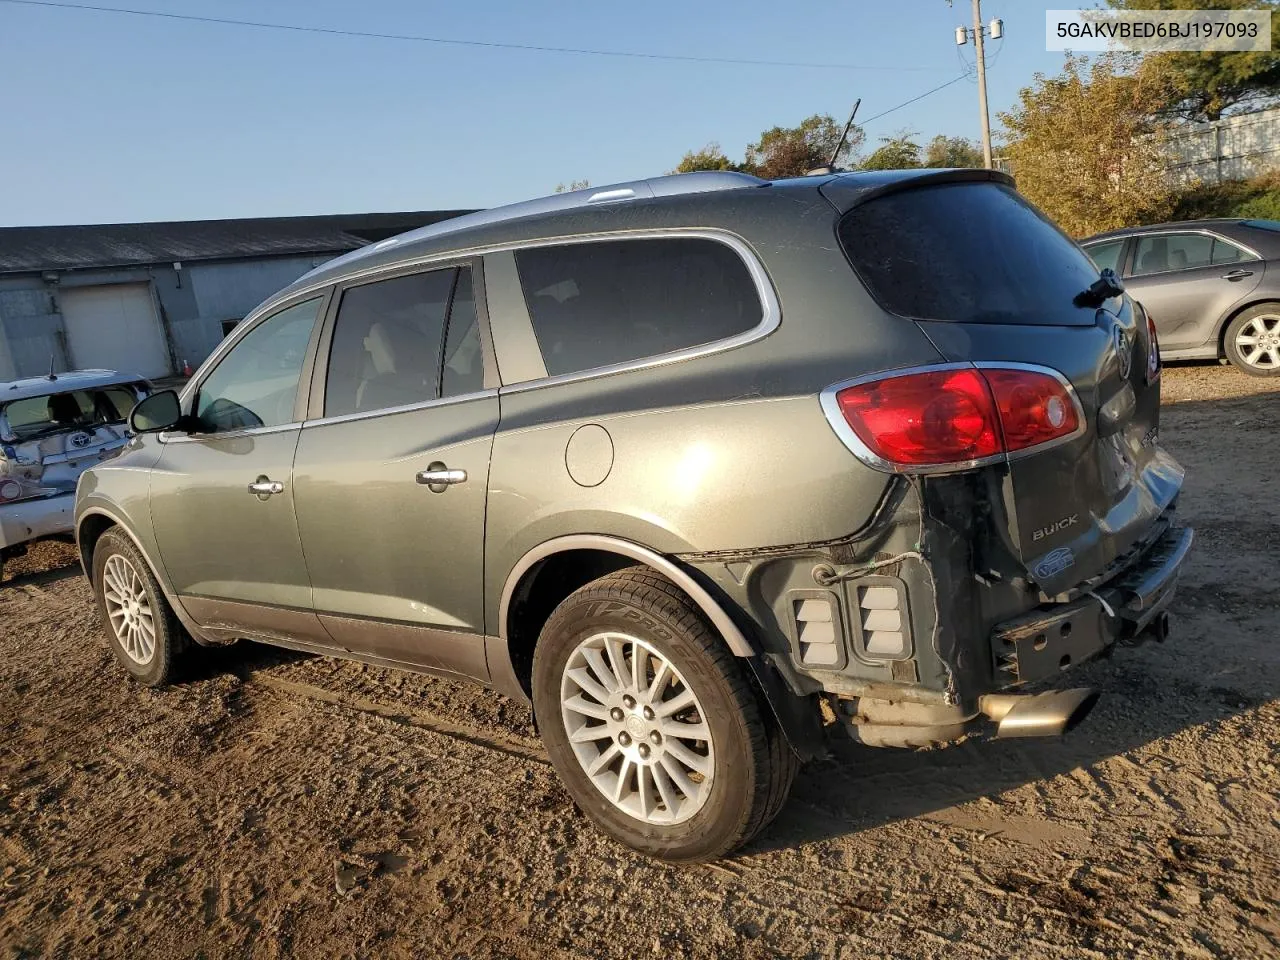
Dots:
(923, 629)
(1031, 651)
(1133, 607)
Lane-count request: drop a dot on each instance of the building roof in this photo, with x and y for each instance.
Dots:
(36, 249)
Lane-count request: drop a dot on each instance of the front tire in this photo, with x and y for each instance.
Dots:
(143, 630)
(654, 726)
(1252, 340)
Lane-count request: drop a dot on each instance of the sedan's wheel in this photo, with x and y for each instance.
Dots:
(144, 632)
(654, 726)
(1252, 341)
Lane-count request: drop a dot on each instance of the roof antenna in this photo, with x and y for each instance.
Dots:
(845, 136)
(830, 167)
(51, 376)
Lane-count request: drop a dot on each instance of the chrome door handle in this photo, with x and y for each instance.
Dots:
(264, 487)
(441, 477)
(1237, 274)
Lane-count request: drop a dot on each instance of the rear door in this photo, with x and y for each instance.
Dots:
(392, 470)
(1188, 281)
(992, 281)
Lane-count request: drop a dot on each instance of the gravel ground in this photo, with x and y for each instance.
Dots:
(280, 805)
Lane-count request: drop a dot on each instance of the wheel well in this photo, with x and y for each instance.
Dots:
(1226, 322)
(541, 590)
(87, 536)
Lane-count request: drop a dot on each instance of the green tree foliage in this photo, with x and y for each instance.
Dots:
(944, 151)
(1086, 146)
(899, 152)
(794, 151)
(710, 157)
(572, 185)
(1205, 85)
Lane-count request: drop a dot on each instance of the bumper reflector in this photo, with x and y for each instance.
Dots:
(880, 617)
(816, 632)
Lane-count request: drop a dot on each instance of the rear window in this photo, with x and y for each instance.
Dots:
(968, 253)
(70, 410)
(613, 301)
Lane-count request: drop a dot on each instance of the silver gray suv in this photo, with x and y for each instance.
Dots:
(705, 467)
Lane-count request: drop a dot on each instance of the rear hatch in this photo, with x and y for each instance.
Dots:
(48, 440)
(992, 282)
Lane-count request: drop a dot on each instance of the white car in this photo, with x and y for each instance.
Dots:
(52, 429)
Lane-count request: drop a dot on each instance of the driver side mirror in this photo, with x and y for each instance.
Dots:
(160, 411)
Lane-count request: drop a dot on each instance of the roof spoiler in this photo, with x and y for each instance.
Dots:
(847, 191)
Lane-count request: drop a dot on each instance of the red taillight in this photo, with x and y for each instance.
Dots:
(924, 418)
(1034, 407)
(1153, 351)
(947, 417)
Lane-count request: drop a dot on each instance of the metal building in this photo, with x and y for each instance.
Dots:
(151, 298)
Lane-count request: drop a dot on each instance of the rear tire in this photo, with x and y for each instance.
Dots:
(143, 631)
(655, 727)
(1252, 341)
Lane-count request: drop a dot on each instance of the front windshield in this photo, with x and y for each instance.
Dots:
(71, 410)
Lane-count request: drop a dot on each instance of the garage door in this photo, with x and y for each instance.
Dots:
(114, 327)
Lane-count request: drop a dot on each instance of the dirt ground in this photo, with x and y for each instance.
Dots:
(285, 805)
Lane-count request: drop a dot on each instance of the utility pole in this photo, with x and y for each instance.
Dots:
(995, 30)
(982, 83)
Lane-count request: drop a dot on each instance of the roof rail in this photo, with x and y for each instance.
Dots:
(672, 185)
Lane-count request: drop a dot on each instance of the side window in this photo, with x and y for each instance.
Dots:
(1106, 255)
(386, 343)
(463, 368)
(256, 383)
(1224, 252)
(1162, 252)
(603, 302)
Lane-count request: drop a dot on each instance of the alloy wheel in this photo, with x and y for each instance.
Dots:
(129, 609)
(1258, 342)
(637, 728)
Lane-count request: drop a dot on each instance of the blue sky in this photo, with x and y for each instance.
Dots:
(119, 118)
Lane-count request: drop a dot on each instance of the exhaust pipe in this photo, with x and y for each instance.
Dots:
(1048, 714)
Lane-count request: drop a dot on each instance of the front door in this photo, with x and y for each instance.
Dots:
(391, 478)
(222, 497)
(1188, 282)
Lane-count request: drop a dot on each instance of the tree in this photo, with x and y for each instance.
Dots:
(1205, 85)
(710, 157)
(794, 151)
(944, 151)
(1086, 146)
(899, 152)
(572, 185)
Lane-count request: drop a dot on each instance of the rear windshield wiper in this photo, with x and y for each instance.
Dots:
(1107, 285)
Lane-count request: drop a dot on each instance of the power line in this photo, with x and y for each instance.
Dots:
(907, 103)
(451, 41)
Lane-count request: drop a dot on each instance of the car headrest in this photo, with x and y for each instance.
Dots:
(63, 408)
